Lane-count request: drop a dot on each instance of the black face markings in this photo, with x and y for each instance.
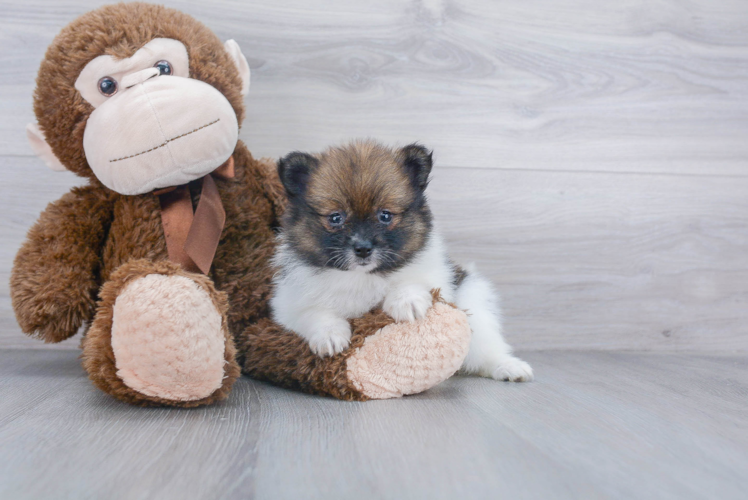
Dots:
(417, 163)
(295, 170)
(458, 274)
(358, 201)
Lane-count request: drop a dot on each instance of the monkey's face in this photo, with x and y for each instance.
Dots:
(140, 96)
(153, 126)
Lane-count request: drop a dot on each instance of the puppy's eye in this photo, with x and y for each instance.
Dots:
(164, 68)
(385, 216)
(108, 86)
(336, 219)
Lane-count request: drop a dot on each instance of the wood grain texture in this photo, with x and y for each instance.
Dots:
(591, 158)
(603, 260)
(576, 85)
(582, 260)
(593, 425)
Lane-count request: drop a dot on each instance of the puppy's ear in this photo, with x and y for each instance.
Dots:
(294, 171)
(416, 161)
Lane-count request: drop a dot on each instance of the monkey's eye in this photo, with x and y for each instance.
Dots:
(336, 219)
(108, 86)
(385, 216)
(164, 67)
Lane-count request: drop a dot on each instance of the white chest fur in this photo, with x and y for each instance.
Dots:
(317, 303)
(349, 294)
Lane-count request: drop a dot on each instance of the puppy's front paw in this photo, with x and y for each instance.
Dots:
(513, 369)
(330, 338)
(407, 304)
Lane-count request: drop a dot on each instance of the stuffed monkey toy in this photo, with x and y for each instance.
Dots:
(164, 255)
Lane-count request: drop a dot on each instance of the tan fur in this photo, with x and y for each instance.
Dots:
(365, 172)
(359, 179)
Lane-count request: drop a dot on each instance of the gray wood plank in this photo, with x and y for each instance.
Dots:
(583, 260)
(593, 425)
(165, 452)
(631, 87)
(605, 261)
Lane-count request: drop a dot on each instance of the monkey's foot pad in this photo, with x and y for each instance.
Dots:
(160, 337)
(408, 358)
(167, 338)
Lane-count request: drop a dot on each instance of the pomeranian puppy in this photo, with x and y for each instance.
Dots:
(357, 234)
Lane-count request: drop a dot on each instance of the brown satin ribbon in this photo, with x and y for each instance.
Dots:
(192, 238)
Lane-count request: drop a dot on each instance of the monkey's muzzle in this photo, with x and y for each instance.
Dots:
(163, 131)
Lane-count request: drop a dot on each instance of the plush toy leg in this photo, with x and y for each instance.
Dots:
(385, 359)
(408, 358)
(160, 337)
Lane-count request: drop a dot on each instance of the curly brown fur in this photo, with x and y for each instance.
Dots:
(119, 30)
(54, 281)
(269, 352)
(98, 356)
(253, 202)
(86, 246)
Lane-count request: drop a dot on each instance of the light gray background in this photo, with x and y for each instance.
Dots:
(592, 159)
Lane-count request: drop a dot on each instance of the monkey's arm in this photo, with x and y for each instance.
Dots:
(54, 282)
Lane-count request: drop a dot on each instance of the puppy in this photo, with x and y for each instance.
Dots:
(358, 234)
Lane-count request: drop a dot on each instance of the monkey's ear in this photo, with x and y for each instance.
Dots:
(294, 171)
(41, 148)
(417, 163)
(240, 62)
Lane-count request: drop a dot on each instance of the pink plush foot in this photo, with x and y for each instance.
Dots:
(408, 358)
(167, 338)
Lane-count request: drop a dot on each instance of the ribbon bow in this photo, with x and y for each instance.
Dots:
(192, 238)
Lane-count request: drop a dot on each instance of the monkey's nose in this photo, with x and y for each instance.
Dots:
(139, 77)
(362, 249)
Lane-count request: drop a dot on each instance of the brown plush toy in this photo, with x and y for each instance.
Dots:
(164, 255)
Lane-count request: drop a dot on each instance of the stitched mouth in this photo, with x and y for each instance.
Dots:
(167, 141)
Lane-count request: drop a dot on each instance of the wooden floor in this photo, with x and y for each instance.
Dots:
(591, 158)
(594, 425)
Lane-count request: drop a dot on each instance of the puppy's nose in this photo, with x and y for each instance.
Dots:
(362, 249)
